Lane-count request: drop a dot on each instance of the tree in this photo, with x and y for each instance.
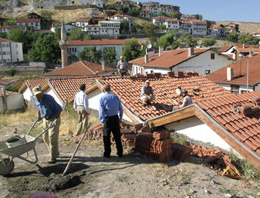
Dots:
(16, 34)
(95, 55)
(46, 15)
(176, 44)
(78, 34)
(3, 35)
(131, 49)
(148, 28)
(124, 26)
(124, 9)
(166, 40)
(189, 40)
(247, 39)
(136, 28)
(162, 14)
(85, 54)
(233, 36)
(134, 12)
(162, 27)
(198, 16)
(10, 22)
(209, 42)
(110, 55)
(176, 15)
(45, 49)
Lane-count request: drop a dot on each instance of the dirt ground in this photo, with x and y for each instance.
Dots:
(133, 175)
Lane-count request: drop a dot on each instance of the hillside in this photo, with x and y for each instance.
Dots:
(245, 27)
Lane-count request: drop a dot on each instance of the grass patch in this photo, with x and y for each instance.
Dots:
(248, 171)
(225, 190)
(122, 178)
(179, 139)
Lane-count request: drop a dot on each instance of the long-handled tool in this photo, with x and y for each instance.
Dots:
(82, 138)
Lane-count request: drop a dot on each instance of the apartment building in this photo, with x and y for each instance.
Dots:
(33, 23)
(10, 51)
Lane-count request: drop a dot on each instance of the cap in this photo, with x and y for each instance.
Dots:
(121, 57)
(185, 91)
(147, 81)
(36, 90)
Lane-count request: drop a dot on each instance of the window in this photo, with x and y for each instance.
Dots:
(212, 56)
(235, 89)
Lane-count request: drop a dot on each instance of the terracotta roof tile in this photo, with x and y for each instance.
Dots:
(225, 48)
(80, 68)
(28, 20)
(245, 128)
(169, 58)
(37, 81)
(220, 76)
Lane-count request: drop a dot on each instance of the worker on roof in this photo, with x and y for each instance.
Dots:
(147, 93)
(122, 66)
(186, 101)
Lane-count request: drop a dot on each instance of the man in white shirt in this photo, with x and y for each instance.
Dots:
(122, 66)
(81, 106)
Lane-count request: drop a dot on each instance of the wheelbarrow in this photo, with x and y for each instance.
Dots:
(17, 146)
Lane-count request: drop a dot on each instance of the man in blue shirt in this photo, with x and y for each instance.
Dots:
(109, 107)
(50, 111)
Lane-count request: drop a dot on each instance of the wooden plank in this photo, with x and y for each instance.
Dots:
(131, 116)
(175, 116)
(234, 144)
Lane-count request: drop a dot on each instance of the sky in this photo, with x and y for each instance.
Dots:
(219, 10)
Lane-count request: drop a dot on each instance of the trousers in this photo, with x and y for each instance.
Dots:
(112, 125)
(51, 137)
(82, 120)
(146, 99)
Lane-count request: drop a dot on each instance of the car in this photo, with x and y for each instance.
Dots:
(58, 67)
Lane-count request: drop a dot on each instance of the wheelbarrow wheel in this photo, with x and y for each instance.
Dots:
(6, 166)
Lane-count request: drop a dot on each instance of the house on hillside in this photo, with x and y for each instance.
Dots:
(201, 60)
(80, 68)
(33, 23)
(81, 22)
(10, 51)
(7, 28)
(33, 16)
(187, 17)
(233, 77)
(76, 46)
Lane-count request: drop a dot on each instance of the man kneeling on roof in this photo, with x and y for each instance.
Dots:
(147, 93)
(186, 101)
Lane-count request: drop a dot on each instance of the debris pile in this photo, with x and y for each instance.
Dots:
(181, 152)
(218, 160)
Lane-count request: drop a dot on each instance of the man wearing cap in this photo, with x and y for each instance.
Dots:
(186, 101)
(50, 111)
(122, 66)
(147, 93)
(81, 107)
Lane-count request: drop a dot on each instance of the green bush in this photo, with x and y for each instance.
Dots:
(11, 72)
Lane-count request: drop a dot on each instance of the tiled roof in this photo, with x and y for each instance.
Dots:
(245, 128)
(225, 48)
(97, 42)
(82, 20)
(197, 21)
(2, 82)
(67, 87)
(92, 25)
(121, 15)
(164, 90)
(244, 49)
(80, 68)
(43, 82)
(27, 20)
(98, 16)
(220, 76)
(169, 58)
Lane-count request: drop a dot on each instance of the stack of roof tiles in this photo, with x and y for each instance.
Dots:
(218, 159)
(157, 146)
(181, 152)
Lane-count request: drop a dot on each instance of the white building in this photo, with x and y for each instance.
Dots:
(7, 29)
(81, 22)
(110, 28)
(201, 60)
(33, 23)
(199, 28)
(187, 17)
(92, 29)
(67, 27)
(76, 46)
(172, 24)
(10, 51)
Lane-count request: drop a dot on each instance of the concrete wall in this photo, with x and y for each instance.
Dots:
(242, 88)
(14, 102)
(195, 129)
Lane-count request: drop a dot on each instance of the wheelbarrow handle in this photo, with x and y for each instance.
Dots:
(52, 125)
(32, 126)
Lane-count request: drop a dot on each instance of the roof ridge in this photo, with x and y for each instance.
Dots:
(87, 67)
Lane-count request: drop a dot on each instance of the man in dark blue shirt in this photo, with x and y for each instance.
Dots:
(109, 107)
(50, 111)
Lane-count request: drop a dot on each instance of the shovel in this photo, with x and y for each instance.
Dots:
(71, 159)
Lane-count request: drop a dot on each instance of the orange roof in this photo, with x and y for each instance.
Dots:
(121, 15)
(220, 76)
(225, 48)
(92, 25)
(98, 16)
(82, 20)
(197, 21)
(244, 128)
(80, 68)
(97, 42)
(5, 83)
(27, 20)
(188, 16)
(169, 58)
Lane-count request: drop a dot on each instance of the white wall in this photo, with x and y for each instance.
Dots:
(242, 88)
(195, 129)
(14, 101)
(203, 62)
(51, 92)
(27, 94)
(93, 99)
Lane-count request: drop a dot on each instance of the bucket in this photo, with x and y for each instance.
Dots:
(15, 141)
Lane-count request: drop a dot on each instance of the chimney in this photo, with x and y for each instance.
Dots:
(103, 65)
(244, 46)
(230, 73)
(250, 54)
(146, 58)
(190, 51)
(160, 50)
